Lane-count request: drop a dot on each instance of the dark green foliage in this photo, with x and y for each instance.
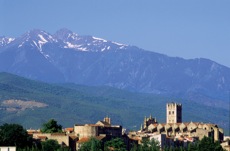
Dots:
(134, 147)
(50, 145)
(192, 147)
(14, 135)
(144, 146)
(92, 145)
(154, 145)
(147, 145)
(117, 144)
(51, 127)
(207, 144)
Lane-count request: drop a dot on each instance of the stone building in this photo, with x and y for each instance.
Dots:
(173, 113)
(100, 128)
(192, 129)
(174, 127)
(74, 137)
(148, 121)
(62, 138)
(7, 148)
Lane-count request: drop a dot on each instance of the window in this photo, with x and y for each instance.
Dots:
(169, 112)
(172, 112)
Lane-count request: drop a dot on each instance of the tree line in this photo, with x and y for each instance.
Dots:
(117, 144)
(16, 135)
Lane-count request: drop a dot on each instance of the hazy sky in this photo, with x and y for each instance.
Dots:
(184, 28)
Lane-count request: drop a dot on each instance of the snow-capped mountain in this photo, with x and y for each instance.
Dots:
(36, 38)
(68, 57)
(64, 38)
(86, 43)
(5, 41)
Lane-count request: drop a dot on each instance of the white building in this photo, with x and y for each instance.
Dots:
(7, 148)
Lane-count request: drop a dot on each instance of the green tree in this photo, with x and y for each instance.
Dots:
(144, 145)
(51, 127)
(207, 144)
(154, 145)
(14, 135)
(192, 147)
(117, 144)
(134, 147)
(92, 145)
(147, 145)
(50, 145)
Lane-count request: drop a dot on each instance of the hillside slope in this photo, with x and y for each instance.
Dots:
(32, 103)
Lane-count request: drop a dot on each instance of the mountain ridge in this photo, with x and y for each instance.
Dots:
(68, 57)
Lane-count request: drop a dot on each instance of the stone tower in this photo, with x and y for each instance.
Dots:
(107, 120)
(173, 113)
(147, 122)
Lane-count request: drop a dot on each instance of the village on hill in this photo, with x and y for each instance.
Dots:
(172, 135)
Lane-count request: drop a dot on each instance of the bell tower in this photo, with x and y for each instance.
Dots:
(173, 113)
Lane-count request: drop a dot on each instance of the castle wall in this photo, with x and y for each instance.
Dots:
(61, 138)
(86, 131)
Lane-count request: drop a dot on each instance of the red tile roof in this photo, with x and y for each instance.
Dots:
(83, 140)
(86, 139)
(69, 129)
(42, 137)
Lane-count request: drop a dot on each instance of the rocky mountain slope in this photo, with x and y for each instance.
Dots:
(68, 57)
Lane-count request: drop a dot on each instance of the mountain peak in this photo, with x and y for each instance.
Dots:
(37, 38)
(35, 32)
(65, 38)
(64, 34)
(64, 30)
(85, 43)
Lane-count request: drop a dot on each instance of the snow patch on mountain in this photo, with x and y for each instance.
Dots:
(70, 45)
(42, 38)
(99, 39)
(41, 42)
(37, 38)
(86, 43)
(21, 44)
(5, 41)
(10, 40)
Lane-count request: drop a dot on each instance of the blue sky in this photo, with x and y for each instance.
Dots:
(183, 28)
